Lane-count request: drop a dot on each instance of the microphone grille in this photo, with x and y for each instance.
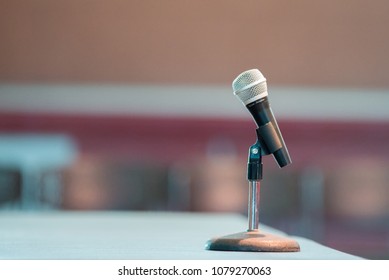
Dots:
(250, 86)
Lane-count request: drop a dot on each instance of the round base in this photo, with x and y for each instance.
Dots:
(254, 241)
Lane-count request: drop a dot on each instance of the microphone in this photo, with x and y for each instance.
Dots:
(251, 89)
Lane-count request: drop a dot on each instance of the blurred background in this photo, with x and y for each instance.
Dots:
(127, 105)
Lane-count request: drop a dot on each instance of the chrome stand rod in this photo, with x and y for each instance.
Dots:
(253, 209)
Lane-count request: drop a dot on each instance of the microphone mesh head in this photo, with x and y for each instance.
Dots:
(250, 86)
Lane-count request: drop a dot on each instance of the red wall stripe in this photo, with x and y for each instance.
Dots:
(169, 139)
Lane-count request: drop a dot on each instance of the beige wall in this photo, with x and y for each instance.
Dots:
(319, 43)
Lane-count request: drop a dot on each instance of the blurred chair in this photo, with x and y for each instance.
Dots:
(36, 157)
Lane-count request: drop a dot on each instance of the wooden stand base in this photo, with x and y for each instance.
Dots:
(254, 241)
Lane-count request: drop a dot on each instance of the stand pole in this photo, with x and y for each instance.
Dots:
(254, 175)
(253, 209)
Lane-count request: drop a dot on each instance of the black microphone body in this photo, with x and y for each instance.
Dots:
(268, 132)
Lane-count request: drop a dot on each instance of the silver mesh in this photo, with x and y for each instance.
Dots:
(246, 78)
(251, 92)
(242, 88)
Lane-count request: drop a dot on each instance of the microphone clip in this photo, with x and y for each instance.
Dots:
(254, 163)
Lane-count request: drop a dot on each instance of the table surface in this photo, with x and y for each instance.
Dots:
(133, 235)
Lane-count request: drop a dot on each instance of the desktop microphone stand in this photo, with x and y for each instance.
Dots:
(253, 239)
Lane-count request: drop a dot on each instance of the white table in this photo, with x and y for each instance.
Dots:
(132, 235)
